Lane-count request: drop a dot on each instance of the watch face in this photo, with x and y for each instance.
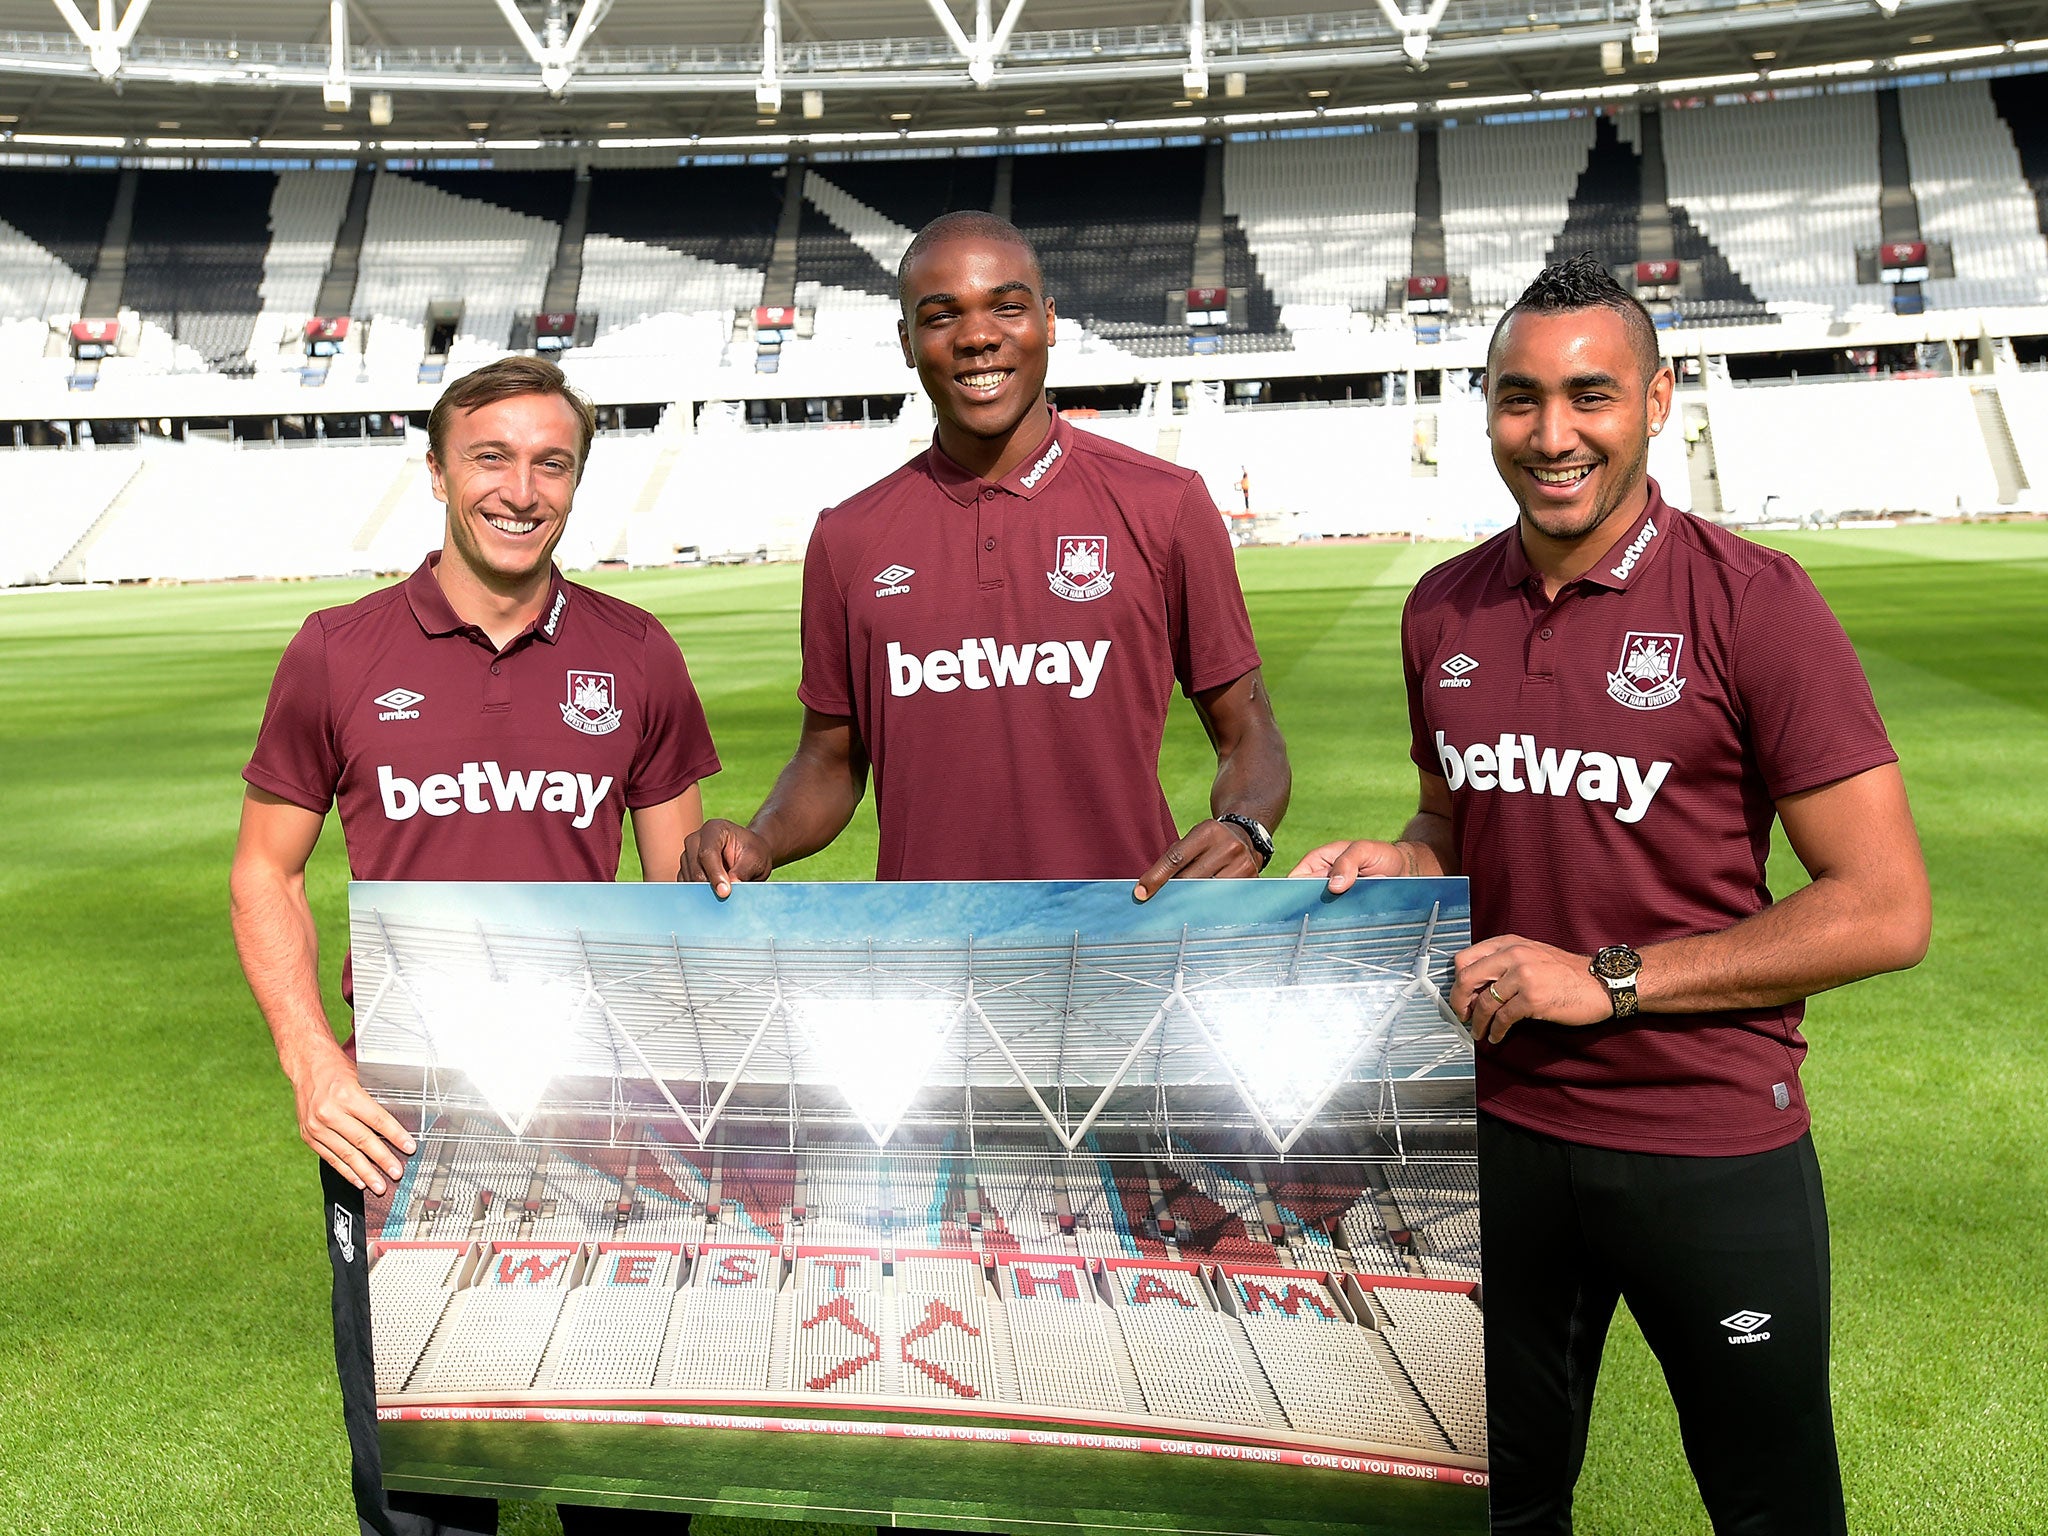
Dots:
(1617, 962)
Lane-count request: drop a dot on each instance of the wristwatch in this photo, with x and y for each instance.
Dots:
(1262, 840)
(1616, 967)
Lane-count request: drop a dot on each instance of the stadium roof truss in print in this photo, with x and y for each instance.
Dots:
(1277, 1029)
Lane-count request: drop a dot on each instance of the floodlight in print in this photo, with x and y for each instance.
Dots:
(998, 1205)
(877, 1049)
(1289, 1048)
(511, 1034)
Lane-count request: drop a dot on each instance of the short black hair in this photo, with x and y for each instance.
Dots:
(1583, 282)
(967, 224)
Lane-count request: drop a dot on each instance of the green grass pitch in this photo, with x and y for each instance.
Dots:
(163, 1336)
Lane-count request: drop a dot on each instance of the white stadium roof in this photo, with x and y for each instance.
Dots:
(508, 76)
(1277, 1033)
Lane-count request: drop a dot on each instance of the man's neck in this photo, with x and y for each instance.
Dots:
(501, 612)
(1560, 562)
(991, 458)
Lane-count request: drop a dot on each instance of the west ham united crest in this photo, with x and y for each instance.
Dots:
(1081, 568)
(591, 706)
(344, 1227)
(1646, 676)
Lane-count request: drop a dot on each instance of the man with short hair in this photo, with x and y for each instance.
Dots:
(997, 627)
(1611, 703)
(483, 720)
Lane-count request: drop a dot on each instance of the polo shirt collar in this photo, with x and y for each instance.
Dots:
(430, 606)
(1618, 567)
(1037, 471)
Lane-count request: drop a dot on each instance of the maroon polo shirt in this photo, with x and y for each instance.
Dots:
(1614, 757)
(451, 759)
(1008, 651)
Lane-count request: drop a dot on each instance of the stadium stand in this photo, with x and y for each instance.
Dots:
(493, 1334)
(306, 210)
(1791, 224)
(1973, 197)
(1056, 1326)
(946, 1342)
(2022, 106)
(1180, 1347)
(1602, 214)
(1436, 1337)
(1765, 437)
(1505, 198)
(409, 1290)
(196, 258)
(54, 499)
(718, 1337)
(844, 1329)
(609, 1338)
(1322, 1366)
(1328, 221)
(1115, 230)
(1441, 1203)
(425, 245)
(576, 1202)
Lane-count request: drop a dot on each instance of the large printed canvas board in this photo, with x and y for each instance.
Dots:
(959, 1206)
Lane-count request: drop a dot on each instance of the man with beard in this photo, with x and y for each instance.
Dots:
(997, 627)
(1611, 702)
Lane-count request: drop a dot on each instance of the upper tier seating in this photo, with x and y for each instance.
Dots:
(306, 211)
(1506, 194)
(2023, 106)
(196, 257)
(1328, 221)
(1115, 230)
(585, 1200)
(1790, 222)
(662, 242)
(1973, 195)
(1441, 1202)
(424, 244)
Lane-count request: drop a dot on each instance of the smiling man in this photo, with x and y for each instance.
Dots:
(482, 720)
(997, 627)
(1611, 702)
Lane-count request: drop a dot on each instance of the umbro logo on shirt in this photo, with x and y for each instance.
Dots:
(398, 704)
(893, 582)
(1457, 667)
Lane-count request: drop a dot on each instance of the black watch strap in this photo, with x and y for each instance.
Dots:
(1262, 840)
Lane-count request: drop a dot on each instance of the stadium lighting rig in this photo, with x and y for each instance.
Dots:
(1289, 1048)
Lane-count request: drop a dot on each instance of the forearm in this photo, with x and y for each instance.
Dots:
(1826, 935)
(1253, 780)
(813, 799)
(1427, 846)
(280, 953)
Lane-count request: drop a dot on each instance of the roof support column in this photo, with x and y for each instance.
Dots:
(105, 42)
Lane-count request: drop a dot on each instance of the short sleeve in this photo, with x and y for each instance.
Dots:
(296, 757)
(675, 750)
(1422, 744)
(1805, 701)
(1210, 630)
(827, 683)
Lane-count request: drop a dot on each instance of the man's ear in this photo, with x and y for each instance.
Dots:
(1662, 383)
(903, 337)
(1051, 339)
(440, 486)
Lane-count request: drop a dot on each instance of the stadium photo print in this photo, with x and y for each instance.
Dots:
(975, 1207)
(1036, 767)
